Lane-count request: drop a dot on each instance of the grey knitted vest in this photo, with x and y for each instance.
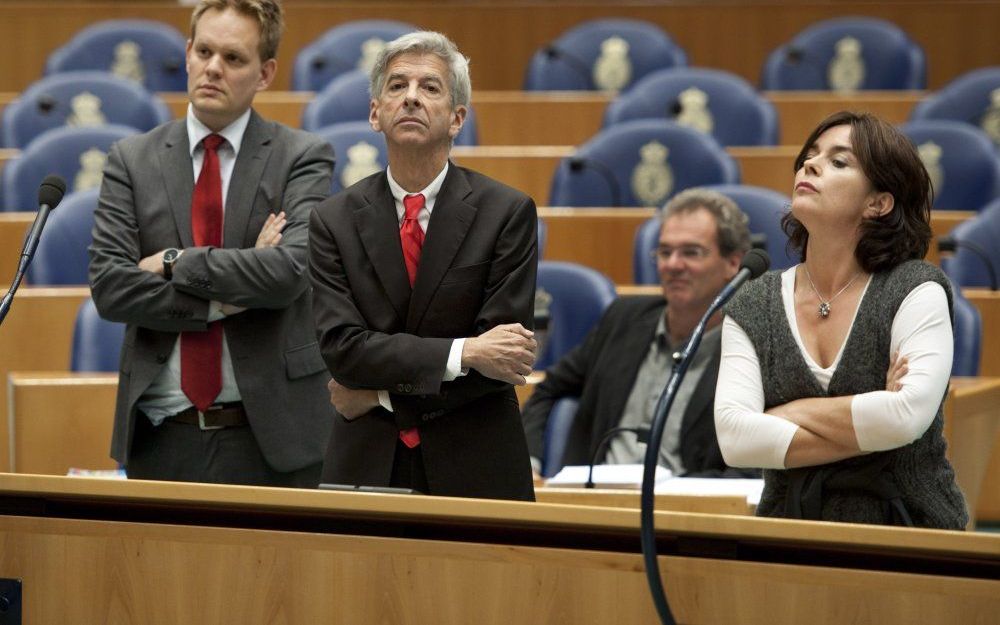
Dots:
(921, 473)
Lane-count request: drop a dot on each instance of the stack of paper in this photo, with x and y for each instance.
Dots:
(606, 476)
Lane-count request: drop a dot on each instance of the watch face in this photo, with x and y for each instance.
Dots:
(170, 255)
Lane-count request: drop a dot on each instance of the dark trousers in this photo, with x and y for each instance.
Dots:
(182, 452)
(408, 469)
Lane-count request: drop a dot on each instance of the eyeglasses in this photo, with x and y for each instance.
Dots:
(690, 253)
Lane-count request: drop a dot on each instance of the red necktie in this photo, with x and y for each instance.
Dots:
(201, 352)
(412, 238)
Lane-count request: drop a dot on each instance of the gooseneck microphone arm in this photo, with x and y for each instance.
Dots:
(951, 244)
(641, 434)
(50, 193)
(579, 163)
(754, 264)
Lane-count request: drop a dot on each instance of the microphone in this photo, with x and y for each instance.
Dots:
(578, 164)
(754, 264)
(50, 193)
(951, 244)
(578, 65)
(641, 434)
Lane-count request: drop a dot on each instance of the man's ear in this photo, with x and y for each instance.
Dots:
(457, 120)
(373, 115)
(268, 69)
(879, 203)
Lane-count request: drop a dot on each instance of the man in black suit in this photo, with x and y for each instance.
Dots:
(200, 247)
(621, 367)
(424, 277)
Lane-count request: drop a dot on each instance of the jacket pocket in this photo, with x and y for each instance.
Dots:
(466, 273)
(304, 360)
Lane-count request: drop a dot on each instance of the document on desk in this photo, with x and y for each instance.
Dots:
(605, 476)
(749, 488)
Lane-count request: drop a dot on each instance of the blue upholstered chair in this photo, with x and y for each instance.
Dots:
(543, 233)
(360, 151)
(148, 52)
(716, 102)
(973, 98)
(346, 99)
(962, 161)
(640, 163)
(63, 100)
(579, 296)
(977, 250)
(76, 154)
(97, 343)
(763, 207)
(557, 434)
(342, 49)
(602, 54)
(968, 330)
(847, 54)
(61, 257)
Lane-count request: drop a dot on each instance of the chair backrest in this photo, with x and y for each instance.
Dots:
(557, 434)
(963, 163)
(360, 152)
(76, 154)
(973, 98)
(85, 99)
(351, 46)
(715, 102)
(602, 54)
(346, 99)
(763, 207)
(579, 296)
(97, 343)
(61, 257)
(968, 330)
(542, 235)
(847, 54)
(640, 163)
(975, 237)
(147, 52)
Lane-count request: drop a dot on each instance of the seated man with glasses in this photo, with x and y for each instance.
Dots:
(620, 369)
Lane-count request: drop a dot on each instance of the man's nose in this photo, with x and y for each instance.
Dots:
(214, 65)
(412, 97)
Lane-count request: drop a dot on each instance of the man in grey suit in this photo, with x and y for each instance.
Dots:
(200, 247)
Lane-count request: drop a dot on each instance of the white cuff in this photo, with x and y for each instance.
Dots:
(215, 311)
(454, 368)
(384, 401)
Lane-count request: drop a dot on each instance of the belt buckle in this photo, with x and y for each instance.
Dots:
(201, 420)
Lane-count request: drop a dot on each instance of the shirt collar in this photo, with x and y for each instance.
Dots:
(429, 192)
(233, 133)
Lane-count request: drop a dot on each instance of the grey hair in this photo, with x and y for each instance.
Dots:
(426, 42)
(733, 232)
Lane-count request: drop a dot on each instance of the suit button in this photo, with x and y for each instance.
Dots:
(399, 387)
(408, 387)
(161, 358)
(425, 417)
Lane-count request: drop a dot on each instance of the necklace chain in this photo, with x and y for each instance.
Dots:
(824, 306)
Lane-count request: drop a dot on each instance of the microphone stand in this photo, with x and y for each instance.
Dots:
(30, 245)
(578, 164)
(641, 434)
(951, 244)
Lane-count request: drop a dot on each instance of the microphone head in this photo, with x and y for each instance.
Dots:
(576, 164)
(794, 54)
(51, 191)
(947, 244)
(757, 261)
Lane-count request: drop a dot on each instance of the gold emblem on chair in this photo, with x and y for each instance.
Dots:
(612, 69)
(990, 123)
(652, 179)
(370, 49)
(846, 71)
(86, 111)
(543, 319)
(91, 168)
(930, 154)
(127, 63)
(362, 161)
(694, 110)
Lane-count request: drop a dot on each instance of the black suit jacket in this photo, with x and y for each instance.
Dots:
(477, 270)
(601, 372)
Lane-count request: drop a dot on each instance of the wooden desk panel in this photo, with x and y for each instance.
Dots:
(13, 228)
(37, 335)
(972, 426)
(115, 549)
(988, 304)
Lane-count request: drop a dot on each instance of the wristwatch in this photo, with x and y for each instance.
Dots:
(170, 256)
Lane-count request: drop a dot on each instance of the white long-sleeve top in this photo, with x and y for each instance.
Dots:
(921, 332)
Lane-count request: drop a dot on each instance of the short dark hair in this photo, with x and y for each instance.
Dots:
(891, 162)
(732, 231)
(267, 13)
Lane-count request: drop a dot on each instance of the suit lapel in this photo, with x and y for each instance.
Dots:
(631, 354)
(450, 221)
(378, 227)
(247, 172)
(175, 163)
(703, 394)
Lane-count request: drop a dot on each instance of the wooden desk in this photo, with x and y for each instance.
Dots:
(36, 336)
(148, 552)
(971, 427)
(13, 228)
(620, 498)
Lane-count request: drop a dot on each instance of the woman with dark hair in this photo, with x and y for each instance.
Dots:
(834, 372)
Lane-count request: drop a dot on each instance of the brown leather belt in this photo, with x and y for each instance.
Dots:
(216, 417)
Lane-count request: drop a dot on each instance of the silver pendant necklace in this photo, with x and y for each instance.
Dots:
(824, 306)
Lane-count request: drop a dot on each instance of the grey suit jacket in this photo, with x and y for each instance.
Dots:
(145, 206)
(477, 270)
